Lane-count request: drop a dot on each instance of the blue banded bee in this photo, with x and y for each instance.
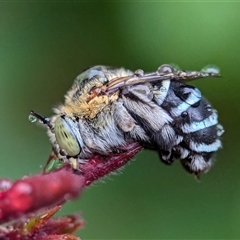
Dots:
(108, 108)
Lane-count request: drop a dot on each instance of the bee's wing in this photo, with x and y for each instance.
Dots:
(164, 72)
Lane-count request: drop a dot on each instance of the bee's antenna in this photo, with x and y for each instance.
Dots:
(33, 117)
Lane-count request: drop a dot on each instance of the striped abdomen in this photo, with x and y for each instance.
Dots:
(195, 125)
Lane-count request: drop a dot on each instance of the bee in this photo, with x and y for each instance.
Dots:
(109, 108)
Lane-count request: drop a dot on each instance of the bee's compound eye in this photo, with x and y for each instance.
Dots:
(165, 69)
(66, 137)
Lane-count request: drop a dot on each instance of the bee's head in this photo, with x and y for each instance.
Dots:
(66, 132)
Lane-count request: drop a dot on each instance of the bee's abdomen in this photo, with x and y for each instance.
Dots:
(195, 122)
(177, 122)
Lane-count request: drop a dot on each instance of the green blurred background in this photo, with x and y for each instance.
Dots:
(43, 47)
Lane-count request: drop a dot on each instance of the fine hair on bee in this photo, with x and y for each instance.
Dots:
(108, 108)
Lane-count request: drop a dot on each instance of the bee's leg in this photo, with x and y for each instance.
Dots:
(127, 124)
(150, 116)
(138, 100)
(153, 120)
(50, 158)
(166, 157)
